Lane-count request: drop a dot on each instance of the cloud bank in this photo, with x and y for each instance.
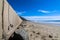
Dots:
(42, 17)
(20, 13)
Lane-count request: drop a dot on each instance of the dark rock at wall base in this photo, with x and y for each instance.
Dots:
(16, 37)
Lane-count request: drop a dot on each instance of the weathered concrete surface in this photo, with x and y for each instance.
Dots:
(1, 4)
(36, 31)
(11, 20)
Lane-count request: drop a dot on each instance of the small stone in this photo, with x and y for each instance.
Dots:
(50, 36)
(31, 35)
(33, 31)
(38, 33)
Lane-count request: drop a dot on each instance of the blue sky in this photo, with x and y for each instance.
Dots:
(47, 11)
(36, 7)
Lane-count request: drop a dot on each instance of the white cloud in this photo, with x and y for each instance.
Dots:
(20, 13)
(44, 11)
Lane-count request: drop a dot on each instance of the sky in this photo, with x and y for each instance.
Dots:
(37, 9)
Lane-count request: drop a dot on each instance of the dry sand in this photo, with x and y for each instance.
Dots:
(37, 31)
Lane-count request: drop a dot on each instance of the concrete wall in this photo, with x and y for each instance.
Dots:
(11, 20)
(1, 18)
